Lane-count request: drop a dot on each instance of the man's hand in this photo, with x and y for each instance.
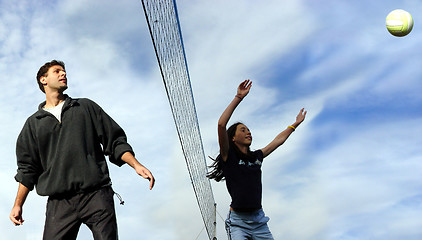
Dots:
(145, 173)
(16, 213)
(16, 216)
(139, 168)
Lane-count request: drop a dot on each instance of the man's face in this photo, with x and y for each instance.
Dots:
(55, 79)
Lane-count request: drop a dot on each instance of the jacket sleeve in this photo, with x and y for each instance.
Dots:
(112, 136)
(29, 165)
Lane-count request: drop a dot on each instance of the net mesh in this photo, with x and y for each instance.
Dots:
(164, 26)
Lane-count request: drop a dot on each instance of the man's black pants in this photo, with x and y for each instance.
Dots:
(64, 216)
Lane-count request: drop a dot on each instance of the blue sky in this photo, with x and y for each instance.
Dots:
(351, 171)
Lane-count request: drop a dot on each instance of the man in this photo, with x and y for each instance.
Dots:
(60, 151)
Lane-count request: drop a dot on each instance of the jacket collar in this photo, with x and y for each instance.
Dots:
(68, 102)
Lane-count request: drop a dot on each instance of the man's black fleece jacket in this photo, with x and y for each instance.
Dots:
(68, 157)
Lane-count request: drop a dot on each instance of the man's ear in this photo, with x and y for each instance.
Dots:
(43, 80)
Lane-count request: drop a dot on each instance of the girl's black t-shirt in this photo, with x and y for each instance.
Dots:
(243, 180)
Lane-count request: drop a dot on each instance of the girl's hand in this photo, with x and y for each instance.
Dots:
(244, 88)
(301, 116)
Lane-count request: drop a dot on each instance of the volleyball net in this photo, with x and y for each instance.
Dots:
(164, 26)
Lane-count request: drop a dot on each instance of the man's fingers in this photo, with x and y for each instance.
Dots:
(148, 175)
(151, 183)
(17, 222)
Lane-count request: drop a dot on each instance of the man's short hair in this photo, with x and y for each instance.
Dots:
(44, 69)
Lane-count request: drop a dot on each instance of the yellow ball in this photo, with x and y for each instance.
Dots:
(399, 23)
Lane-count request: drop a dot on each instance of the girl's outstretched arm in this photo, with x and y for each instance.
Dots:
(223, 139)
(282, 137)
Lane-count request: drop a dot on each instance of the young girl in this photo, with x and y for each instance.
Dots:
(241, 168)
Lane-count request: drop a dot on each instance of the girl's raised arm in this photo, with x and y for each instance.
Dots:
(223, 139)
(282, 137)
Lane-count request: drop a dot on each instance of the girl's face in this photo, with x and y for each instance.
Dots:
(242, 135)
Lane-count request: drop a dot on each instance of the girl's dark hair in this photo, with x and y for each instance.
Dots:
(216, 172)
